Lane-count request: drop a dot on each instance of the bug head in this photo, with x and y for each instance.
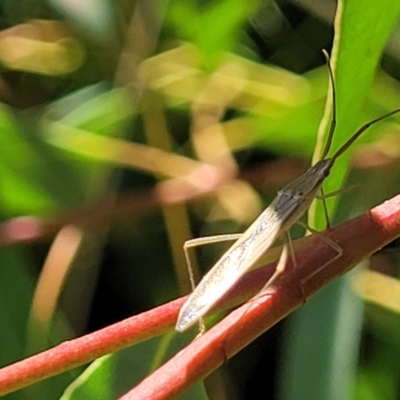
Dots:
(308, 183)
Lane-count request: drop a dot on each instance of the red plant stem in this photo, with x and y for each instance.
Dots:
(80, 351)
(358, 238)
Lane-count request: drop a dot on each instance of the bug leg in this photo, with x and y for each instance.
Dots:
(332, 244)
(335, 247)
(328, 241)
(280, 268)
(324, 196)
(291, 248)
(336, 192)
(326, 214)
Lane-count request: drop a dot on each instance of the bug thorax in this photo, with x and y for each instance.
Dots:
(310, 181)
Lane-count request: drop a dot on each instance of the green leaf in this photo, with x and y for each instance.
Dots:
(214, 27)
(361, 33)
(328, 327)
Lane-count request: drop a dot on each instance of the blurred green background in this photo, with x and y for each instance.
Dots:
(108, 106)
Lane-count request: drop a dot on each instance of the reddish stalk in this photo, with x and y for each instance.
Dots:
(358, 238)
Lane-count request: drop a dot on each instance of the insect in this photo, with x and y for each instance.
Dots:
(286, 209)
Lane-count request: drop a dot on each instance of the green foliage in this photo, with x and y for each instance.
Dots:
(93, 82)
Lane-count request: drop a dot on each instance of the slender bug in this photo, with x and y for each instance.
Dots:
(287, 208)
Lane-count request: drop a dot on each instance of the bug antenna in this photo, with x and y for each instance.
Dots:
(333, 122)
(360, 131)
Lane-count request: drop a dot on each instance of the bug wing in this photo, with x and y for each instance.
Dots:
(237, 260)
